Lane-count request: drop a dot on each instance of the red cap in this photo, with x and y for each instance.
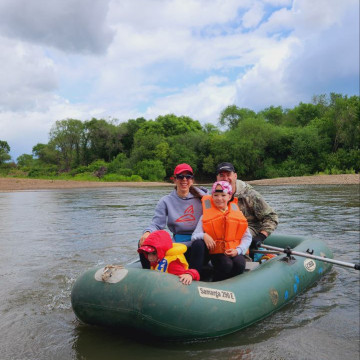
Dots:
(146, 248)
(183, 167)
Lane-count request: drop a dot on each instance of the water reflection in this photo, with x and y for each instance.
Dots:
(94, 342)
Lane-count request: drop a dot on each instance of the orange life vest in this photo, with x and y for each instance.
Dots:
(226, 228)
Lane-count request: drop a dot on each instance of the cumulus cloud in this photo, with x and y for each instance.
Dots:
(70, 25)
(201, 102)
(327, 58)
(23, 130)
(129, 58)
(310, 60)
(26, 77)
(265, 84)
(254, 15)
(171, 14)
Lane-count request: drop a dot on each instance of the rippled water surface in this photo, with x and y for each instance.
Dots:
(48, 238)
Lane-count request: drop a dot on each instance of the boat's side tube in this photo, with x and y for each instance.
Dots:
(160, 305)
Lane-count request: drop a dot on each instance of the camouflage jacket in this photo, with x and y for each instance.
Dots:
(259, 214)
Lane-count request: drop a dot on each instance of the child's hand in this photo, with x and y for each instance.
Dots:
(143, 237)
(231, 252)
(186, 279)
(209, 242)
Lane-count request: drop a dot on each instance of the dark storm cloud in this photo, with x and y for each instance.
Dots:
(70, 25)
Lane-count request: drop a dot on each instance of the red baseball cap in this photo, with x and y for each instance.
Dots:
(183, 167)
(146, 248)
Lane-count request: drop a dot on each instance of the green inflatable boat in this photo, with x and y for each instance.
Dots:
(157, 303)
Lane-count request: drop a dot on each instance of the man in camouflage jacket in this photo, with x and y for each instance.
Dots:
(262, 219)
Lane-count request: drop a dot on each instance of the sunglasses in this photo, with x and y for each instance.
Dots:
(182, 177)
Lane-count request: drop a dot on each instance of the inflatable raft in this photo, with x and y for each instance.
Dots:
(157, 303)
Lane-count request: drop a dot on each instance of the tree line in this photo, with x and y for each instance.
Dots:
(311, 138)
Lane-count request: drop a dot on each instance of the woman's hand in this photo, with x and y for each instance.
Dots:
(186, 279)
(144, 236)
(231, 252)
(209, 241)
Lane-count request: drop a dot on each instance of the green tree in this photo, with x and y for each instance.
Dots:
(302, 114)
(231, 116)
(145, 146)
(128, 130)
(169, 125)
(344, 116)
(248, 143)
(25, 160)
(218, 146)
(342, 161)
(209, 165)
(274, 115)
(46, 153)
(210, 129)
(4, 152)
(279, 143)
(157, 140)
(120, 163)
(308, 149)
(101, 140)
(152, 170)
(187, 148)
(66, 137)
(161, 151)
(321, 136)
(177, 125)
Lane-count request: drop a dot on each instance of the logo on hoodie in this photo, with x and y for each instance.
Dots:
(188, 215)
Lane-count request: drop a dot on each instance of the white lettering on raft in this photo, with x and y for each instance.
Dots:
(217, 294)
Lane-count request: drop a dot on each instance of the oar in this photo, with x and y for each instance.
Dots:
(289, 252)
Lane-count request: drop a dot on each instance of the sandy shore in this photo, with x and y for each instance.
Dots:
(17, 184)
(344, 179)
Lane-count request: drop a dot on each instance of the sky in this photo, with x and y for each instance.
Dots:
(123, 59)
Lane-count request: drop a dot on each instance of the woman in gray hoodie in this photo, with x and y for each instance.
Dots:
(180, 211)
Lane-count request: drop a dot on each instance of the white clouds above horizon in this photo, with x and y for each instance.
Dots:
(133, 58)
(69, 25)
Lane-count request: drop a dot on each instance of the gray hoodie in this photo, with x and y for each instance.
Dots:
(180, 215)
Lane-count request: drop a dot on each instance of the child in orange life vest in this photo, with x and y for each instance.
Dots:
(224, 229)
(166, 256)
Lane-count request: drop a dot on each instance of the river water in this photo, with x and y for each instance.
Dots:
(48, 238)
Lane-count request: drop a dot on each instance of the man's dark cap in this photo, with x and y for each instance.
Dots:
(225, 166)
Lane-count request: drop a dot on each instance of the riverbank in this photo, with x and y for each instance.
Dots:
(19, 184)
(343, 179)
